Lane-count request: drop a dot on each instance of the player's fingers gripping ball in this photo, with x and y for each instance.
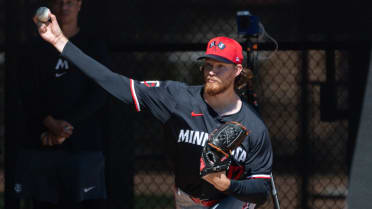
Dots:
(42, 14)
(216, 155)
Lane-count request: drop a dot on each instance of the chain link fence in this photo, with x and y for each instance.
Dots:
(2, 97)
(306, 93)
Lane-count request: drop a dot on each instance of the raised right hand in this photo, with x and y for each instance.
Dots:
(51, 32)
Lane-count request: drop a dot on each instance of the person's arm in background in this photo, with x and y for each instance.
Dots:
(32, 97)
(93, 101)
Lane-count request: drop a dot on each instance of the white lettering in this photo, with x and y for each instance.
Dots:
(242, 157)
(239, 154)
(191, 136)
(205, 139)
(198, 137)
(184, 135)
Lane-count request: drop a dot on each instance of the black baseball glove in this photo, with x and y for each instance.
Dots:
(216, 155)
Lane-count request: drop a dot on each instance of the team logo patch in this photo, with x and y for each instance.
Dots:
(151, 83)
(221, 45)
(212, 44)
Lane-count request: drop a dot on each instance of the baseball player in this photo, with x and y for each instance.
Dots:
(189, 114)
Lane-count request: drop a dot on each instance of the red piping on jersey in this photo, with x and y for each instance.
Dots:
(259, 176)
(196, 114)
(134, 96)
(207, 203)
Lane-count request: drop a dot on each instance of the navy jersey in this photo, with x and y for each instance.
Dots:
(188, 120)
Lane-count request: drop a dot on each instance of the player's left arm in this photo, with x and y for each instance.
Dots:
(255, 187)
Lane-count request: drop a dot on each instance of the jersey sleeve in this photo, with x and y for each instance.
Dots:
(158, 99)
(259, 159)
(255, 186)
(95, 98)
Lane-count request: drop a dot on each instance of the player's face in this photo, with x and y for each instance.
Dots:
(218, 76)
(67, 11)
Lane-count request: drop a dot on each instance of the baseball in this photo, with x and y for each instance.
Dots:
(43, 14)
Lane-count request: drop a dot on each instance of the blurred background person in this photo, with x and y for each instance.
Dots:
(61, 163)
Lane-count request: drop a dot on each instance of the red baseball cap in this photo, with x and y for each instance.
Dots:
(225, 50)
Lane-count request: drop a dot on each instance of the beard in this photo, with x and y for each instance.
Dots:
(212, 89)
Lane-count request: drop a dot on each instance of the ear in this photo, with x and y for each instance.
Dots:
(238, 69)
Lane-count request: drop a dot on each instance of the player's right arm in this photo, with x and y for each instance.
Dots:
(110, 81)
(159, 100)
(127, 90)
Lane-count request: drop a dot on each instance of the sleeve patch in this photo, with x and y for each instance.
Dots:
(151, 83)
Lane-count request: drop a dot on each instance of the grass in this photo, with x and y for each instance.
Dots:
(140, 201)
(153, 201)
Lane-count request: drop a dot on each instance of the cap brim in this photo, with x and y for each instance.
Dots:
(216, 57)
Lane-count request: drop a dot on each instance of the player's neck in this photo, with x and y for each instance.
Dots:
(225, 103)
(71, 29)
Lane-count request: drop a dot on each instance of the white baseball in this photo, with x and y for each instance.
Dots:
(42, 14)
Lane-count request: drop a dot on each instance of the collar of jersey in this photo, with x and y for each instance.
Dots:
(207, 108)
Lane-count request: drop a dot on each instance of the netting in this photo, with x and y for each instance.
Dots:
(305, 93)
(289, 94)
